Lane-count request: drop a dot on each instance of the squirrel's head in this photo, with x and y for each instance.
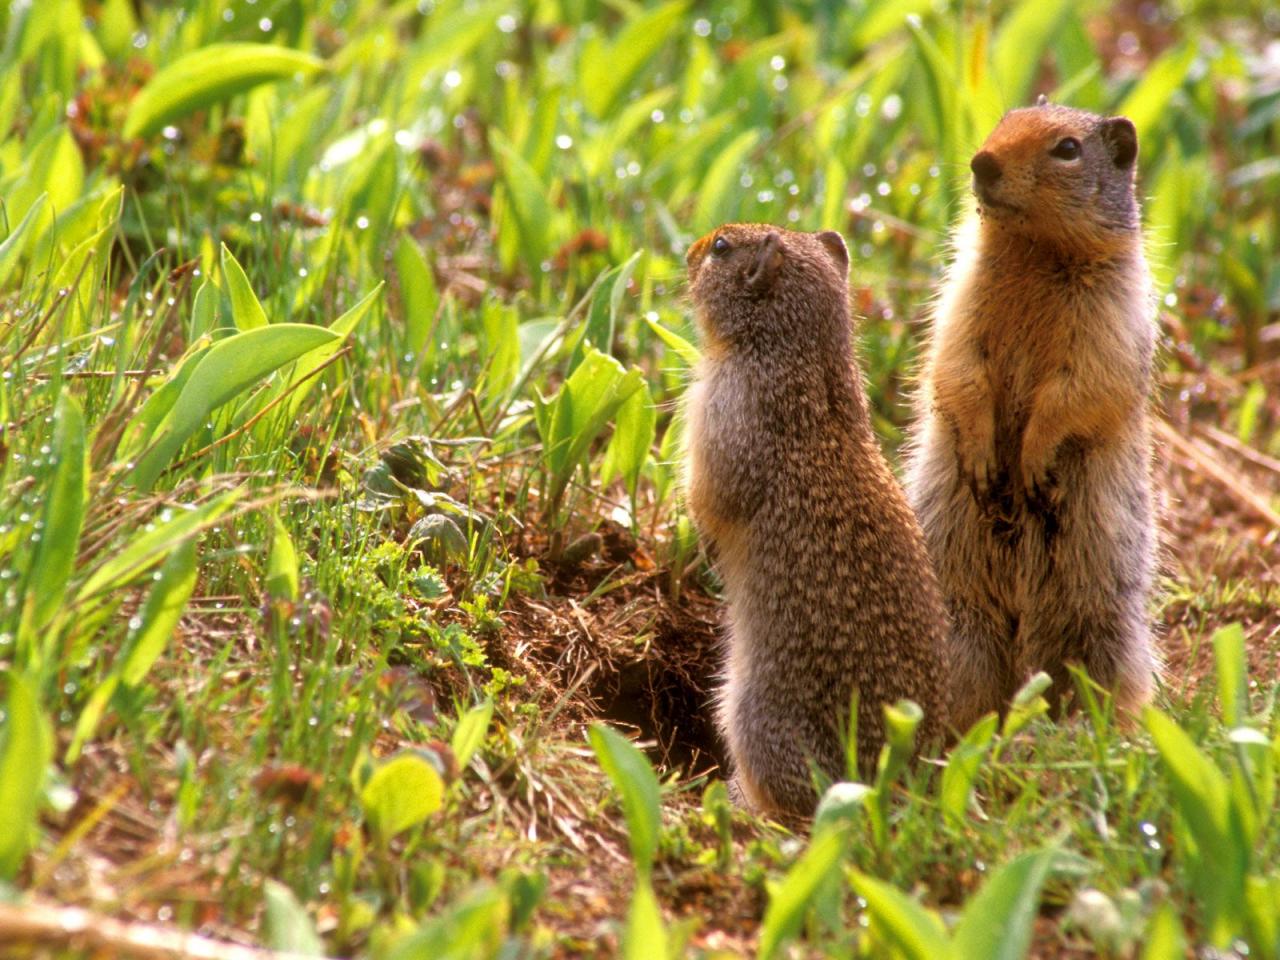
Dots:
(1059, 175)
(753, 284)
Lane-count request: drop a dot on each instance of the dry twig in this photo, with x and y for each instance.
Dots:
(72, 928)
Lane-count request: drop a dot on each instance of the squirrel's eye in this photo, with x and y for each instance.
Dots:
(1068, 148)
(719, 246)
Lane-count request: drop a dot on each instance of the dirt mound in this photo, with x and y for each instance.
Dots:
(608, 641)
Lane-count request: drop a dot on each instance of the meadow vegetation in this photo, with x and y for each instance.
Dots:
(347, 602)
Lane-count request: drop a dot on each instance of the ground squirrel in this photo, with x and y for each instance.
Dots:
(1031, 472)
(824, 566)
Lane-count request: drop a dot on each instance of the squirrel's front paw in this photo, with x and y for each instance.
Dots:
(977, 468)
(1039, 479)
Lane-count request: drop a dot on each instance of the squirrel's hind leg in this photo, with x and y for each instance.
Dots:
(981, 664)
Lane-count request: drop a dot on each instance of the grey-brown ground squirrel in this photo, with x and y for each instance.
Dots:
(824, 567)
(1031, 472)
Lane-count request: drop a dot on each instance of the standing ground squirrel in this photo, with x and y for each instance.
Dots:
(1031, 473)
(825, 570)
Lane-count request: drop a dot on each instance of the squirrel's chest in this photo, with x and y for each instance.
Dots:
(1025, 333)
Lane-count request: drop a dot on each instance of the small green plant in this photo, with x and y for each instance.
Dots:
(645, 935)
(570, 421)
(1222, 813)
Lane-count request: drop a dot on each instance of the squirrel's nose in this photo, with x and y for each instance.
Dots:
(985, 167)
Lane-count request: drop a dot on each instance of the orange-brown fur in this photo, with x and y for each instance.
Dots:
(1030, 473)
(825, 571)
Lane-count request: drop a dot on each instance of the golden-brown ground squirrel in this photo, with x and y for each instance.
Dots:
(1031, 472)
(824, 567)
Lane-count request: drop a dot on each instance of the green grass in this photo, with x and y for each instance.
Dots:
(339, 475)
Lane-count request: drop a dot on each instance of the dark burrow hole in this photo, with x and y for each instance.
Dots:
(668, 696)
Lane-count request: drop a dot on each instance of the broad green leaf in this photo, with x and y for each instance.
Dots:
(289, 928)
(844, 802)
(685, 350)
(1262, 915)
(230, 367)
(401, 793)
(469, 734)
(1165, 939)
(602, 316)
(418, 295)
(55, 168)
(645, 935)
(1197, 785)
(901, 720)
(282, 563)
(26, 746)
(54, 556)
(154, 541)
(609, 69)
(156, 407)
(299, 379)
(599, 152)
(902, 924)
(1028, 703)
(116, 27)
(12, 249)
(1145, 105)
(160, 613)
(1252, 404)
(997, 922)
(963, 762)
(835, 183)
(720, 191)
(246, 310)
(789, 901)
(633, 433)
(1217, 864)
(872, 22)
(1019, 48)
(450, 34)
(529, 201)
(942, 81)
(636, 782)
(1228, 655)
(500, 327)
(204, 310)
(91, 715)
(472, 930)
(210, 75)
(571, 421)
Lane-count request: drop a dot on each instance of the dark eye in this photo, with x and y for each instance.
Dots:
(719, 246)
(1068, 148)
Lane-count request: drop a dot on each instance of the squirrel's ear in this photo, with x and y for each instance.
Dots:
(835, 246)
(765, 262)
(1121, 140)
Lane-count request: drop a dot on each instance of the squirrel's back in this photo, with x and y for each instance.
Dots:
(826, 574)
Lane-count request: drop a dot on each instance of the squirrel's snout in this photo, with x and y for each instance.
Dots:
(985, 167)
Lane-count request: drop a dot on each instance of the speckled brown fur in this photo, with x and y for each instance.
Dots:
(825, 571)
(1031, 473)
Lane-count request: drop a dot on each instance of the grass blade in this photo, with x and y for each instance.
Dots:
(54, 557)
